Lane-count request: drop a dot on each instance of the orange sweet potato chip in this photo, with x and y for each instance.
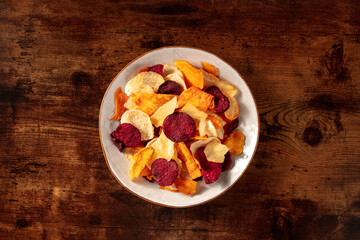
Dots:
(185, 156)
(145, 172)
(120, 99)
(168, 189)
(139, 160)
(145, 69)
(193, 75)
(148, 102)
(197, 98)
(235, 142)
(185, 186)
(210, 69)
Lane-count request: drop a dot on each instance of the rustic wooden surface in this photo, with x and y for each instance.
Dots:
(300, 58)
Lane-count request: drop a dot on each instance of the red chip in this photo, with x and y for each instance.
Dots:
(179, 127)
(128, 134)
(226, 165)
(157, 68)
(170, 87)
(222, 103)
(117, 142)
(210, 170)
(229, 127)
(165, 171)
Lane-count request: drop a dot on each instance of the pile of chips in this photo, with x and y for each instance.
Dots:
(177, 125)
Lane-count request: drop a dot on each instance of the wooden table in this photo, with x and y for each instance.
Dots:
(300, 59)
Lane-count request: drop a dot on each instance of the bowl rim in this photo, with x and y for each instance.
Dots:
(161, 204)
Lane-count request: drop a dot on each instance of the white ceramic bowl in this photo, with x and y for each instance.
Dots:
(249, 125)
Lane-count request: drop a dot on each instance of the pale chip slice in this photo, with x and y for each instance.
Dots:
(233, 112)
(130, 103)
(220, 120)
(144, 82)
(215, 151)
(201, 143)
(194, 113)
(159, 116)
(207, 128)
(141, 121)
(176, 77)
(170, 69)
(226, 88)
(220, 132)
(164, 147)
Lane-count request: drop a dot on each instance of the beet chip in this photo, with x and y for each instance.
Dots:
(226, 165)
(231, 126)
(157, 68)
(117, 142)
(222, 103)
(170, 87)
(210, 170)
(127, 134)
(165, 171)
(179, 127)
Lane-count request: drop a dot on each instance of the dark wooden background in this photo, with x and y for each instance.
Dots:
(301, 59)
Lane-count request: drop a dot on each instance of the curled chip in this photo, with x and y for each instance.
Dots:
(227, 162)
(163, 147)
(210, 170)
(170, 87)
(235, 142)
(168, 108)
(195, 113)
(165, 171)
(141, 121)
(210, 69)
(178, 78)
(144, 82)
(157, 69)
(226, 88)
(185, 186)
(197, 98)
(215, 151)
(231, 126)
(148, 103)
(216, 120)
(201, 143)
(138, 162)
(128, 134)
(170, 69)
(222, 103)
(120, 145)
(206, 128)
(179, 127)
(234, 109)
(120, 99)
(193, 75)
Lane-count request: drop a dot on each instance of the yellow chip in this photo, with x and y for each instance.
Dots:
(207, 128)
(201, 143)
(233, 112)
(159, 116)
(144, 82)
(148, 103)
(164, 147)
(138, 162)
(194, 113)
(197, 98)
(185, 186)
(186, 156)
(235, 142)
(215, 151)
(226, 88)
(193, 75)
(141, 121)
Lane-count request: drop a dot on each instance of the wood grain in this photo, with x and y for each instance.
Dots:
(300, 58)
